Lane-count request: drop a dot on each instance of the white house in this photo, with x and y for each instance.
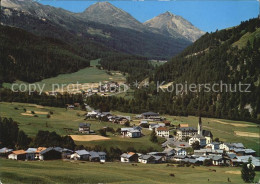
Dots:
(180, 151)
(213, 145)
(129, 157)
(17, 155)
(80, 155)
(162, 132)
(134, 133)
(199, 138)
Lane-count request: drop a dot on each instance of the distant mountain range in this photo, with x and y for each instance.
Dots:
(102, 25)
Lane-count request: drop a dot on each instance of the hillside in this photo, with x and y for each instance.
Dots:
(94, 37)
(231, 56)
(30, 58)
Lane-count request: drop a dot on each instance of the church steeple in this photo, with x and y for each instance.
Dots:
(199, 126)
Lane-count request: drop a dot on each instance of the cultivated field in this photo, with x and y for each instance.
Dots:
(87, 172)
(83, 76)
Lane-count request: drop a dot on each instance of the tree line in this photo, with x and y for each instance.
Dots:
(12, 137)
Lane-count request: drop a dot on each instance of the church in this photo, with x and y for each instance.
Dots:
(204, 137)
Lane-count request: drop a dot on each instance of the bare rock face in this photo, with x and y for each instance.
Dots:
(171, 24)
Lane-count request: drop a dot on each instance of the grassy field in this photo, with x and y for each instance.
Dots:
(86, 75)
(87, 172)
(65, 122)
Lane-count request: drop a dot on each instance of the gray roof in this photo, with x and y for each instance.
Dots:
(81, 125)
(58, 149)
(150, 114)
(101, 153)
(5, 150)
(145, 157)
(187, 129)
(82, 152)
(31, 150)
(125, 155)
(157, 157)
(94, 154)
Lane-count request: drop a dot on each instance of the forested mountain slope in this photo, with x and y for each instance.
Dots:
(31, 58)
(230, 55)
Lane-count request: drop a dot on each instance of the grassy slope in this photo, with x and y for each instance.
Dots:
(63, 118)
(87, 75)
(87, 172)
(69, 119)
(242, 42)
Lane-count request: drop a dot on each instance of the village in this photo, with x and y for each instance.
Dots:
(183, 145)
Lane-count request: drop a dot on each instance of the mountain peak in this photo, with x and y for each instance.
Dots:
(173, 25)
(107, 13)
(167, 13)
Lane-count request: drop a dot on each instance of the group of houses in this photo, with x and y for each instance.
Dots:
(107, 116)
(178, 153)
(52, 153)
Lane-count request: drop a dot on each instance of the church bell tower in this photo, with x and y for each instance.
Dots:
(200, 126)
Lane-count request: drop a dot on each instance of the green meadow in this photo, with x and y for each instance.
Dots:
(65, 122)
(88, 172)
(87, 75)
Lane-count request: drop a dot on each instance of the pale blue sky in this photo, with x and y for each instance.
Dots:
(206, 15)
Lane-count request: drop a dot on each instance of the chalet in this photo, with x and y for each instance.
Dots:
(97, 156)
(39, 149)
(17, 155)
(162, 132)
(199, 138)
(102, 156)
(51, 153)
(80, 155)
(143, 122)
(151, 116)
(170, 152)
(155, 125)
(152, 159)
(4, 152)
(129, 157)
(31, 153)
(216, 160)
(134, 133)
(231, 146)
(184, 132)
(179, 158)
(84, 128)
(213, 145)
(180, 151)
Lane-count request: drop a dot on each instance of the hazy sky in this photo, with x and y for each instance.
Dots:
(206, 15)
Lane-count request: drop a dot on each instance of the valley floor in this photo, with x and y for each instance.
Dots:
(89, 172)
